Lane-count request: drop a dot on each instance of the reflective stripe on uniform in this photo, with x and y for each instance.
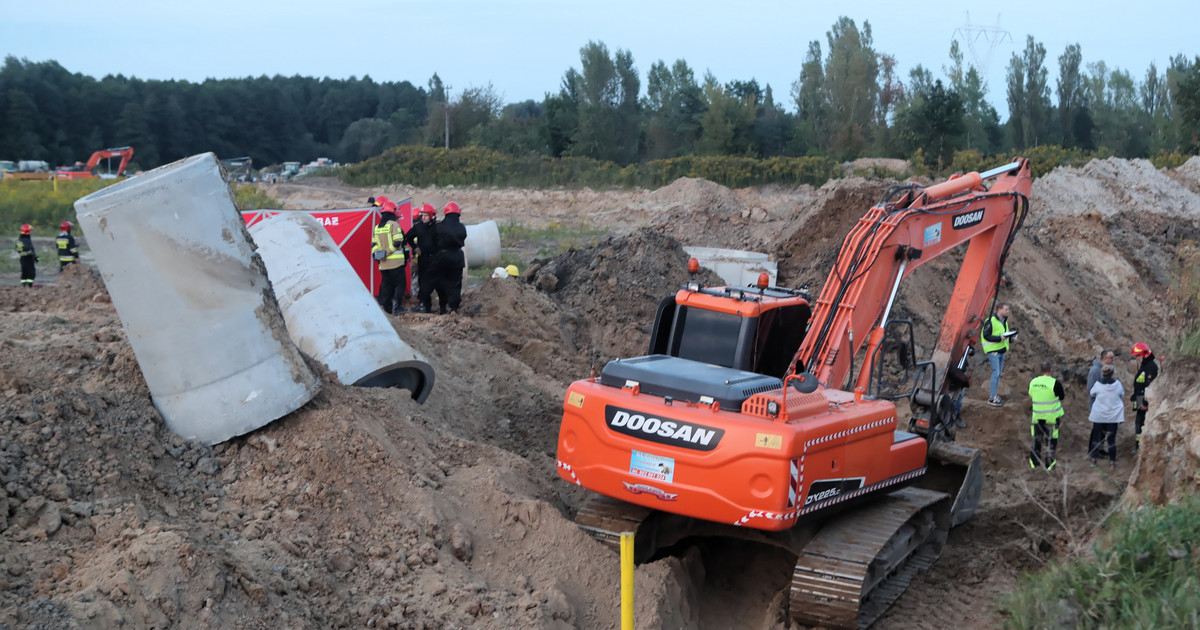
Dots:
(1046, 405)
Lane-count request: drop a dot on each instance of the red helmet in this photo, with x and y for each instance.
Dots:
(381, 200)
(388, 207)
(427, 209)
(26, 229)
(65, 226)
(451, 208)
(1140, 350)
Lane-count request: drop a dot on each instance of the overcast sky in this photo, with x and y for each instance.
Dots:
(523, 47)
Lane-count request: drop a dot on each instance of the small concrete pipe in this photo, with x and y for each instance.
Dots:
(330, 315)
(194, 300)
(482, 247)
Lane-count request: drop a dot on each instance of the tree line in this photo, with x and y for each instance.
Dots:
(846, 102)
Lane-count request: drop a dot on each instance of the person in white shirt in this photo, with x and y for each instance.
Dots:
(1108, 412)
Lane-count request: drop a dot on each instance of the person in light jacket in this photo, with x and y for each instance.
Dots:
(1107, 413)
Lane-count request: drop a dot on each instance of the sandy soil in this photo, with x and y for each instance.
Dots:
(363, 509)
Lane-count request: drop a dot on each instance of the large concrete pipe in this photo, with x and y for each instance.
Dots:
(482, 247)
(330, 315)
(194, 300)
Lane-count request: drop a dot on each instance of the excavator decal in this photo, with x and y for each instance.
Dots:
(663, 430)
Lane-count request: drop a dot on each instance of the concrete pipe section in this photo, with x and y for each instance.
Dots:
(482, 247)
(195, 301)
(330, 315)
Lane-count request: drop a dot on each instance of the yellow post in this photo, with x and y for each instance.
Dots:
(55, 180)
(627, 581)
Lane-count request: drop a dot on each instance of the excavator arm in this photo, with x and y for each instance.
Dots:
(909, 228)
(125, 153)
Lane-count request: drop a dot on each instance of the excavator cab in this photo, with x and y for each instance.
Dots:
(755, 329)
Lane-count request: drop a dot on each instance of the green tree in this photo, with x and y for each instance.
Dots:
(1071, 94)
(850, 88)
(608, 108)
(727, 124)
(1187, 100)
(364, 138)
(931, 121)
(1028, 96)
(812, 109)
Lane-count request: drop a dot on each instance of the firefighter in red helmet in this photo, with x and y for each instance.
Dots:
(388, 250)
(422, 239)
(68, 250)
(451, 236)
(28, 256)
(1147, 371)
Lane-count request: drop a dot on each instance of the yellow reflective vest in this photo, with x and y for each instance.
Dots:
(998, 329)
(1046, 404)
(389, 239)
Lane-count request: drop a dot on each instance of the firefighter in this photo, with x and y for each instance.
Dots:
(451, 236)
(422, 238)
(1146, 373)
(28, 255)
(388, 249)
(68, 250)
(1047, 395)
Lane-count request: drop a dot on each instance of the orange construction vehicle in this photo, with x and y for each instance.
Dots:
(749, 418)
(88, 171)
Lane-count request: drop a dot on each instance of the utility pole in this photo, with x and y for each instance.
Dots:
(446, 111)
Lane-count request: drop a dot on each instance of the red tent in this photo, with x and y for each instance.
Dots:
(352, 230)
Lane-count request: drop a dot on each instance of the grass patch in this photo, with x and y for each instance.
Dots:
(1145, 573)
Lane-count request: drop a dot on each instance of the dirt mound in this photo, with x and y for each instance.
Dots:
(806, 250)
(1110, 187)
(1170, 465)
(1188, 174)
(616, 287)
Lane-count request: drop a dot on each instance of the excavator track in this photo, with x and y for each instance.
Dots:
(847, 573)
(862, 560)
(606, 518)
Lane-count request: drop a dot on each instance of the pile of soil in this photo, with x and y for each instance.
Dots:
(366, 509)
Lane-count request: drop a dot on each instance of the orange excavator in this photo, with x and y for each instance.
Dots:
(750, 418)
(88, 171)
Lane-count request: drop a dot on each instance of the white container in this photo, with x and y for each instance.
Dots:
(740, 268)
(330, 315)
(482, 247)
(195, 301)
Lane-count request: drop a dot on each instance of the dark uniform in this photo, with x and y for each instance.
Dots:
(423, 236)
(451, 235)
(68, 250)
(29, 259)
(1147, 372)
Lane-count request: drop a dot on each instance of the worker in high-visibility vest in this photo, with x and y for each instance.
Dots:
(995, 337)
(28, 256)
(388, 250)
(1047, 395)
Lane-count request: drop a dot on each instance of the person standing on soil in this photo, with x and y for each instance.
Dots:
(1106, 415)
(451, 236)
(996, 337)
(68, 250)
(422, 238)
(1106, 358)
(389, 251)
(1146, 373)
(28, 256)
(959, 378)
(1047, 395)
